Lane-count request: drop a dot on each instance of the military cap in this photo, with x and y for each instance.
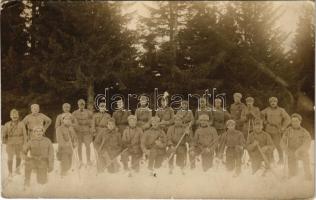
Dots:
(258, 122)
(81, 101)
(155, 119)
(143, 98)
(14, 111)
(296, 115)
(250, 99)
(230, 122)
(66, 104)
(218, 100)
(273, 99)
(131, 117)
(237, 94)
(35, 104)
(204, 117)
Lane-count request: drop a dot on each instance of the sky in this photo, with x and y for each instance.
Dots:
(287, 22)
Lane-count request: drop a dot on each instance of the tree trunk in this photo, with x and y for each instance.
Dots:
(90, 95)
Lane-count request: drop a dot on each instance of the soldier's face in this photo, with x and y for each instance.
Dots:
(249, 103)
(120, 105)
(38, 132)
(111, 125)
(66, 108)
(14, 116)
(67, 121)
(273, 103)
(102, 107)
(237, 99)
(184, 106)
(154, 124)
(231, 126)
(203, 123)
(164, 103)
(143, 103)
(257, 128)
(202, 103)
(81, 106)
(295, 122)
(35, 109)
(132, 122)
(218, 104)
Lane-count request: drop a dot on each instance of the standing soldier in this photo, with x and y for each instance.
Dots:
(41, 158)
(109, 145)
(143, 113)
(120, 115)
(262, 139)
(153, 143)
(185, 113)
(276, 120)
(205, 141)
(66, 109)
(234, 142)
(100, 120)
(177, 137)
(131, 140)
(235, 110)
(84, 135)
(67, 140)
(15, 136)
(36, 119)
(203, 109)
(220, 117)
(248, 114)
(296, 143)
(166, 114)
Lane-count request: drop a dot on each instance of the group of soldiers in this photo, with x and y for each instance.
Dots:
(180, 138)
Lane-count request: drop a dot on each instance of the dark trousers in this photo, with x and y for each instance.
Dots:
(293, 163)
(181, 157)
(86, 139)
(65, 162)
(135, 160)
(206, 157)
(40, 167)
(155, 159)
(256, 160)
(14, 150)
(233, 159)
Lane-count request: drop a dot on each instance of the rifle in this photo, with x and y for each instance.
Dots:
(75, 155)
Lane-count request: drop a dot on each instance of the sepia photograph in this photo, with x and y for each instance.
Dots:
(157, 99)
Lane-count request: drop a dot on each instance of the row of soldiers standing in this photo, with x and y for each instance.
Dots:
(213, 132)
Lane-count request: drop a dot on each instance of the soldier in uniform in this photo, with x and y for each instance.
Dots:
(264, 141)
(276, 120)
(296, 143)
(67, 141)
(66, 109)
(153, 143)
(131, 140)
(100, 120)
(143, 114)
(120, 115)
(165, 113)
(220, 117)
(109, 146)
(14, 134)
(235, 110)
(203, 109)
(175, 133)
(234, 143)
(41, 159)
(185, 114)
(205, 142)
(36, 119)
(83, 129)
(248, 114)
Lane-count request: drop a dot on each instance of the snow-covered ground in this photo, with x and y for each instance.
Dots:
(216, 183)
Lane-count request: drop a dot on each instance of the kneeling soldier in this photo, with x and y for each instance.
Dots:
(41, 158)
(108, 145)
(176, 133)
(262, 139)
(131, 140)
(15, 136)
(205, 142)
(67, 140)
(153, 144)
(234, 142)
(296, 143)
